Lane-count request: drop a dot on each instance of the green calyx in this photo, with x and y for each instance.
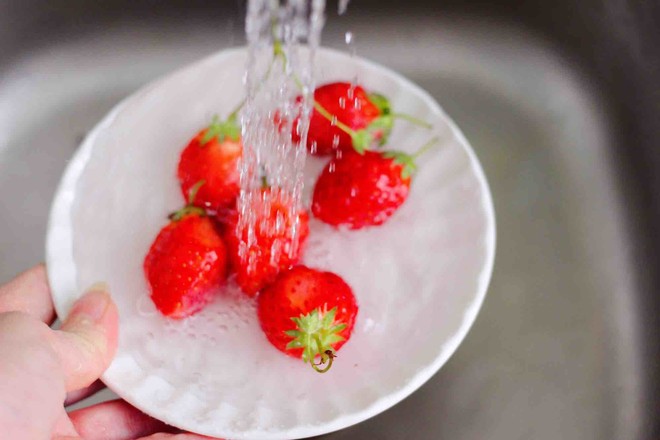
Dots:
(378, 131)
(381, 102)
(406, 160)
(316, 333)
(229, 129)
(190, 208)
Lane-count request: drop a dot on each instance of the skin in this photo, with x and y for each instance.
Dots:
(43, 370)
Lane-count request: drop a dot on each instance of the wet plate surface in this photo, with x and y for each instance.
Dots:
(420, 279)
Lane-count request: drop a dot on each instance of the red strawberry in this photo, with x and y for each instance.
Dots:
(308, 314)
(360, 118)
(185, 263)
(358, 190)
(213, 156)
(273, 247)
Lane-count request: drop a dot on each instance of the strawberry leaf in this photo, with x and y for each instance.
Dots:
(380, 129)
(376, 132)
(405, 160)
(294, 344)
(329, 318)
(222, 130)
(333, 339)
(381, 102)
(361, 140)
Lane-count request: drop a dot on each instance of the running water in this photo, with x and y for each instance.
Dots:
(282, 40)
(342, 6)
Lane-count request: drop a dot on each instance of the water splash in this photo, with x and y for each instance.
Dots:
(282, 41)
(342, 6)
(349, 39)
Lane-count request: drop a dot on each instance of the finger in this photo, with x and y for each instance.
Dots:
(63, 428)
(29, 293)
(163, 436)
(78, 395)
(31, 385)
(115, 420)
(87, 340)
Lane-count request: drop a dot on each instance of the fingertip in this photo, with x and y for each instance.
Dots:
(95, 312)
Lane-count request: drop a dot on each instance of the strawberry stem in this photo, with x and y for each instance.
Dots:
(426, 147)
(407, 161)
(222, 130)
(190, 207)
(192, 193)
(327, 356)
(333, 119)
(234, 114)
(278, 52)
(413, 120)
(316, 333)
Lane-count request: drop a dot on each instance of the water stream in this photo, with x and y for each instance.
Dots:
(282, 41)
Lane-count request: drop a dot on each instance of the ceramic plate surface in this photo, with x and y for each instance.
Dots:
(420, 279)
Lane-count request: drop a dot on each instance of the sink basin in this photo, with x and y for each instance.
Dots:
(562, 117)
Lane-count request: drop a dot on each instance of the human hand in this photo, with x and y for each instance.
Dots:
(43, 370)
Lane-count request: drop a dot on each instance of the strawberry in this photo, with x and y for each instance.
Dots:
(257, 259)
(308, 314)
(358, 190)
(213, 156)
(186, 263)
(359, 119)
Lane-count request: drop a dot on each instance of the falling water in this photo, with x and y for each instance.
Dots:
(342, 6)
(282, 41)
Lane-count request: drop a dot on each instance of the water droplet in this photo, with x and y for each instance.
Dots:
(348, 37)
(335, 141)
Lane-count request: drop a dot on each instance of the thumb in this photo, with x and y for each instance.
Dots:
(87, 340)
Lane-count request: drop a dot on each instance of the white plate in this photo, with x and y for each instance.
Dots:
(420, 279)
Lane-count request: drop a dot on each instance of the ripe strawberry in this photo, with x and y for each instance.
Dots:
(213, 156)
(358, 190)
(360, 119)
(308, 314)
(257, 259)
(185, 263)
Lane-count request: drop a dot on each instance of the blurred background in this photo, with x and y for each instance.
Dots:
(560, 100)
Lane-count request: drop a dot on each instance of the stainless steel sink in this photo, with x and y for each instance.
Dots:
(559, 101)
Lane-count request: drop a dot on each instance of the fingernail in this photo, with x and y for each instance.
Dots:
(98, 286)
(93, 304)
